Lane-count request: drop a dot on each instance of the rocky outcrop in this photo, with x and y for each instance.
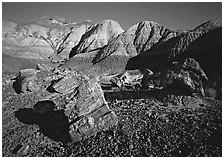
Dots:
(97, 37)
(188, 75)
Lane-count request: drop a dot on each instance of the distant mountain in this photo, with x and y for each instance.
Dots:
(144, 45)
(45, 34)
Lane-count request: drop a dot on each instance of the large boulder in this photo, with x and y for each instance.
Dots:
(188, 75)
(85, 105)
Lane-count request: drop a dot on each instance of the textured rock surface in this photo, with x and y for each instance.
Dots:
(85, 106)
(26, 81)
(207, 26)
(189, 75)
(37, 37)
(97, 37)
(139, 38)
(128, 78)
(91, 107)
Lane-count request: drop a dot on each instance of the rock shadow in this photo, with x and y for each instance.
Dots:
(17, 85)
(146, 94)
(52, 123)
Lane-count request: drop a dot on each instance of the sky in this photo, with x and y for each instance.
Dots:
(175, 15)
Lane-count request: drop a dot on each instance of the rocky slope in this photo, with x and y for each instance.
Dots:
(43, 38)
(151, 38)
(98, 36)
(137, 39)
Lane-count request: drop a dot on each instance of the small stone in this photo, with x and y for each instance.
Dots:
(26, 150)
(17, 148)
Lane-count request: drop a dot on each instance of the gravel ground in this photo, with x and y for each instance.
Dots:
(144, 129)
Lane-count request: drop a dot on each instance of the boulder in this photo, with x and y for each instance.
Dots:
(147, 81)
(26, 81)
(91, 109)
(42, 107)
(187, 75)
(128, 78)
(192, 64)
(85, 106)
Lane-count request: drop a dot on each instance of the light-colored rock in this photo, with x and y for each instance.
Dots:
(98, 36)
(41, 36)
(85, 106)
(128, 78)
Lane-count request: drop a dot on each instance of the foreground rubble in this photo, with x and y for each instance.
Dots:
(70, 115)
(146, 127)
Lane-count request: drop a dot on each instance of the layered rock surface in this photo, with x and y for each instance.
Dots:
(85, 106)
(139, 38)
(39, 38)
(83, 99)
(97, 37)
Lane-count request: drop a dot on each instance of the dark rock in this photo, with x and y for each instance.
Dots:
(17, 148)
(184, 79)
(147, 81)
(26, 81)
(192, 64)
(188, 75)
(42, 107)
